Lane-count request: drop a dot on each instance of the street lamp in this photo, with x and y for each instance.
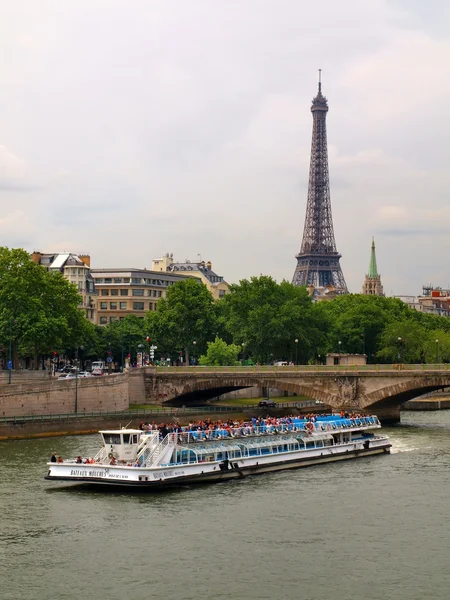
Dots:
(76, 378)
(10, 362)
(339, 346)
(296, 351)
(437, 350)
(399, 340)
(243, 351)
(141, 350)
(194, 343)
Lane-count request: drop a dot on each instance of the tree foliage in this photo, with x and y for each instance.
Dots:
(219, 353)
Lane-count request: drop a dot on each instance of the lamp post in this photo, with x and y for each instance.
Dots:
(339, 346)
(243, 351)
(399, 356)
(363, 337)
(141, 351)
(194, 343)
(10, 362)
(76, 378)
(437, 350)
(296, 351)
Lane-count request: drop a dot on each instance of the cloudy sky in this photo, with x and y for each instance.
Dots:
(133, 128)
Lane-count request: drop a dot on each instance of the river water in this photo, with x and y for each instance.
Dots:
(373, 528)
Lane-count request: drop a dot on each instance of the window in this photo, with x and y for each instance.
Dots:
(99, 280)
(136, 280)
(117, 279)
(113, 305)
(137, 292)
(159, 293)
(221, 293)
(138, 306)
(103, 305)
(105, 292)
(126, 280)
(154, 293)
(112, 319)
(124, 292)
(108, 280)
(123, 306)
(103, 320)
(114, 292)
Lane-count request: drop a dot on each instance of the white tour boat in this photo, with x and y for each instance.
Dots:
(134, 458)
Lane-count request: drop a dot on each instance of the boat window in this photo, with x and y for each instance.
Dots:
(126, 438)
(112, 438)
(135, 438)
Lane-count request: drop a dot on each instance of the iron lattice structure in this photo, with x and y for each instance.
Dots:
(318, 260)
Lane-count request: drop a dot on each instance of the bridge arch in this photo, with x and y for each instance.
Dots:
(221, 385)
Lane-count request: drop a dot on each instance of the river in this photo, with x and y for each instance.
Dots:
(374, 528)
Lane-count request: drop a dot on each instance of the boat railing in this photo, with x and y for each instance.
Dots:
(157, 450)
(101, 455)
(200, 435)
(150, 446)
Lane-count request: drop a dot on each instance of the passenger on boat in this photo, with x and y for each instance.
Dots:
(79, 460)
(53, 457)
(60, 459)
(113, 461)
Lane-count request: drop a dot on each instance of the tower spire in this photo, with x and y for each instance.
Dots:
(372, 283)
(373, 272)
(318, 259)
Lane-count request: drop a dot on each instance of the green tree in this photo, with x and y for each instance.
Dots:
(219, 353)
(402, 342)
(268, 317)
(357, 321)
(185, 316)
(38, 310)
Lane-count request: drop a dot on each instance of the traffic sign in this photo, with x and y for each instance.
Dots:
(9, 365)
(109, 359)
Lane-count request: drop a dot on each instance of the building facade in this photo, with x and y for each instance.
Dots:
(372, 283)
(76, 269)
(201, 270)
(123, 292)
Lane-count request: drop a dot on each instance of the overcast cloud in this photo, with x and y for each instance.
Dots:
(133, 128)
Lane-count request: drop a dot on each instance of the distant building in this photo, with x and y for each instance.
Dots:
(372, 284)
(433, 301)
(200, 269)
(76, 269)
(124, 292)
(336, 358)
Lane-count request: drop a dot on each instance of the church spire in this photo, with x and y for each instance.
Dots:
(373, 272)
(372, 284)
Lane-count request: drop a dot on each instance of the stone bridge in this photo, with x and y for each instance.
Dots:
(378, 388)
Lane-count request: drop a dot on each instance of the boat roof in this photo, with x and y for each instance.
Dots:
(124, 430)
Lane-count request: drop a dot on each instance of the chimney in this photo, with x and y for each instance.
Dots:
(36, 257)
(86, 259)
(209, 265)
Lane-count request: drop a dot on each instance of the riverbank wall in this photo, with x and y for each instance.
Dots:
(435, 402)
(53, 396)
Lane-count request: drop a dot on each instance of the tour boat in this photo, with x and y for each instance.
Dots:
(135, 458)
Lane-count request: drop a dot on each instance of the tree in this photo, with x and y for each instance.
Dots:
(185, 316)
(38, 310)
(268, 317)
(403, 342)
(357, 321)
(220, 353)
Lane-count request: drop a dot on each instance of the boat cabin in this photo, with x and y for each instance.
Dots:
(121, 444)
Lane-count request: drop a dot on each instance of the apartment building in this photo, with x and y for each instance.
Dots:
(76, 269)
(200, 269)
(123, 292)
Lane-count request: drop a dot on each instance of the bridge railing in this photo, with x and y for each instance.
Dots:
(305, 368)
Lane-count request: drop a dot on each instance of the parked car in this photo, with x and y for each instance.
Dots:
(67, 369)
(68, 376)
(318, 402)
(84, 374)
(267, 404)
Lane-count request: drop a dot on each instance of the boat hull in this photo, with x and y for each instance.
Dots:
(170, 476)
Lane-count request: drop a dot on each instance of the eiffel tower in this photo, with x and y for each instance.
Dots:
(318, 260)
